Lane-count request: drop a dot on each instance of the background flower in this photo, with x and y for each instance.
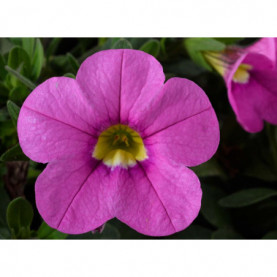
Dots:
(251, 79)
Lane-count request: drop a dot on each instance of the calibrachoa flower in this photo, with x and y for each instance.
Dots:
(251, 79)
(117, 141)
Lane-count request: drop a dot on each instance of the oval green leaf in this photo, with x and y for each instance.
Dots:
(246, 197)
(13, 154)
(212, 212)
(3, 72)
(69, 75)
(13, 110)
(19, 217)
(28, 44)
(73, 62)
(151, 47)
(29, 84)
(46, 232)
(19, 57)
(226, 234)
(37, 59)
(122, 44)
(19, 94)
(196, 46)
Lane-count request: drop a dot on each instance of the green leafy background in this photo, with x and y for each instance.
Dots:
(239, 183)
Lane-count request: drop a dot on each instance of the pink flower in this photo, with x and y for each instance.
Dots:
(251, 83)
(117, 140)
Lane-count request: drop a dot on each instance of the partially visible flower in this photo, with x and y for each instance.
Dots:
(251, 78)
(117, 141)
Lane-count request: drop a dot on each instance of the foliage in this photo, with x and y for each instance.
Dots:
(239, 183)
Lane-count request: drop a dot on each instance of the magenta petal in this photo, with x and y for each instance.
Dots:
(182, 125)
(261, 56)
(264, 47)
(75, 196)
(267, 79)
(158, 199)
(142, 79)
(119, 82)
(99, 76)
(253, 103)
(54, 121)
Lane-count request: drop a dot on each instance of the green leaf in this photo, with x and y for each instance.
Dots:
(52, 47)
(16, 41)
(13, 110)
(5, 46)
(19, 217)
(37, 59)
(4, 115)
(137, 42)
(226, 234)
(102, 41)
(18, 94)
(209, 168)
(257, 168)
(69, 75)
(228, 41)
(163, 46)
(151, 47)
(60, 62)
(28, 44)
(7, 128)
(46, 232)
(246, 197)
(73, 62)
(33, 173)
(109, 43)
(193, 232)
(196, 46)
(19, 57)
(21, 78)
(4, 93)
(3, 72)
(14, 154)
(213, 213)
(204, 44)
(122, 44)
(270, 235)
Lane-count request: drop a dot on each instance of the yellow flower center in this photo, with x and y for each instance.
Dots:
(217, 61)
(119, 145)
(242, 75)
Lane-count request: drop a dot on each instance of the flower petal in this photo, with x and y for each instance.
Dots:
(253, 103)
(158, 199)
(261, 56)
(75, 196)
(267, 79)
(264, 47)
(119, 82)
(182, 124)
(54, 121)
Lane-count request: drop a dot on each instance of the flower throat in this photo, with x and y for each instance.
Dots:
(119, 145)
(220, 62)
